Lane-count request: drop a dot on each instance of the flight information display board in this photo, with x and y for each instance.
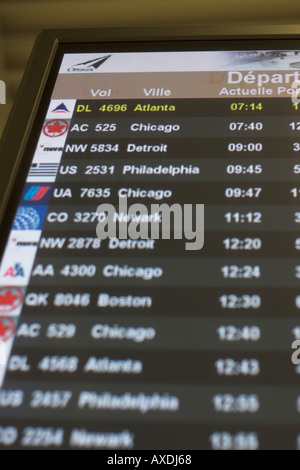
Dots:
(141, 343)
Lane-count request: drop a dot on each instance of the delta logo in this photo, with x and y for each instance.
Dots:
(7, 328)
(60, 109)
(89, 65)
(10, 298)
(55, 128)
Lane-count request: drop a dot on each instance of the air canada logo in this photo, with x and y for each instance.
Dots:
(55, 128)
(7, 328)
(89, 65)
(10, 299)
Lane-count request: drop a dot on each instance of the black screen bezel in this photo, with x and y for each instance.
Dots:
(23, 127)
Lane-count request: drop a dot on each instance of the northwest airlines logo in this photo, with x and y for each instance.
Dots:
(89, 65)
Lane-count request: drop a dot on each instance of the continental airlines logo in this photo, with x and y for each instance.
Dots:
(89, 65)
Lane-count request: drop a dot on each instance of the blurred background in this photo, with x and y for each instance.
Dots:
(22, 20)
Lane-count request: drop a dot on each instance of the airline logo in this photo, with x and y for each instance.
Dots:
(55, 128)
(21, 240)
(48, 149)
(7, 328)
(61, 108)
(43, 171)
(14, 271)
(89, 65)
(18, 257)
(17, 243)
(10, 299)
(36, 193)
(29, 218)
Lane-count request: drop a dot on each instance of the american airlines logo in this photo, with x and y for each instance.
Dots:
(89, 65)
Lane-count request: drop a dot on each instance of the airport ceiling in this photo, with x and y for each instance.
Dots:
(22, 20)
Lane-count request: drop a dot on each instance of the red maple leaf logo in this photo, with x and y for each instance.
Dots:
(7, 328)
(3, 329)
(55, 128)
(10, 298)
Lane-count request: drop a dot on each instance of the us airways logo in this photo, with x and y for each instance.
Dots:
(89, 65)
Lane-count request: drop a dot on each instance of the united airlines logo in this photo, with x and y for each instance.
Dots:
(36, 193)
(89, 65)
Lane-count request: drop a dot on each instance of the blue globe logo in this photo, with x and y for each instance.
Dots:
(26, 218)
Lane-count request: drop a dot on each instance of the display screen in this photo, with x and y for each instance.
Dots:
(122, 333)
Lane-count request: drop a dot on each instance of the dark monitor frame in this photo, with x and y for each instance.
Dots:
(20, 125)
